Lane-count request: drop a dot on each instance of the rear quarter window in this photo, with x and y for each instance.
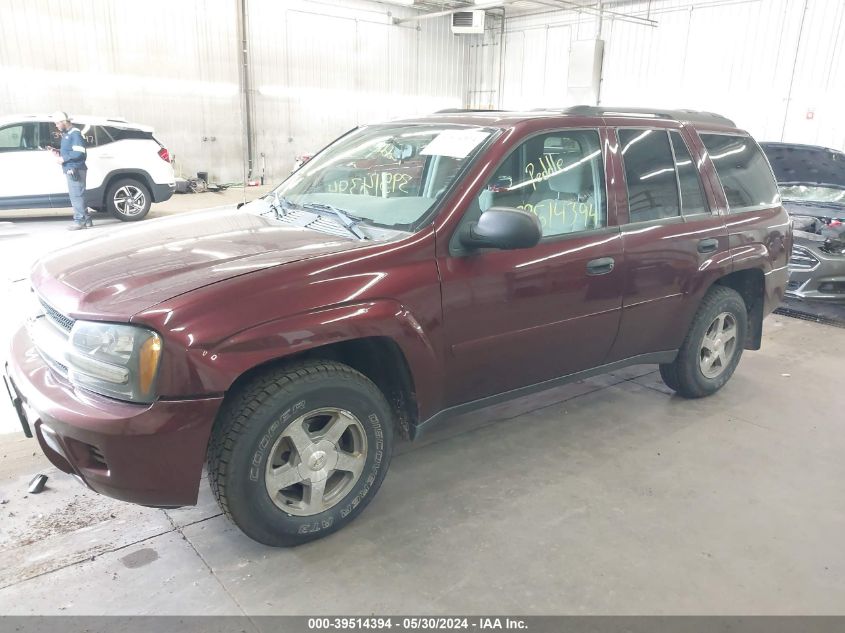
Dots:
(121, 134)
(743, 171)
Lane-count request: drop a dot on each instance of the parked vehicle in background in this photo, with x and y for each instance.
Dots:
(408, 272)
(812, 184)
(128, 168)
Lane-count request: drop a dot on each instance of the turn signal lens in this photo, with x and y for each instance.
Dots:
(148, 359)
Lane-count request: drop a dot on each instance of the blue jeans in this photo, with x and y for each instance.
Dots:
(76, 189)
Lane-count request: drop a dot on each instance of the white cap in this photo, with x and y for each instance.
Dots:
(58, 116)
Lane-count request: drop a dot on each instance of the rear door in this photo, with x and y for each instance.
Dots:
(674, 239)
(517, 318)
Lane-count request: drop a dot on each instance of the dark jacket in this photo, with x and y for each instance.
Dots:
(73, 150)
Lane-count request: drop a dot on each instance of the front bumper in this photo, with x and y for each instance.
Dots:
(815, 274)
(147, 454)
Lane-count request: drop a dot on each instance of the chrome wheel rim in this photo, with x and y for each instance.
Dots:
(316, 461)
(129, 200)
(718, 346)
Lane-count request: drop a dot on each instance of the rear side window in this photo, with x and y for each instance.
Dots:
(743, 171)
(88, 133)
(121, 134)
(650, 175)
(692, 193)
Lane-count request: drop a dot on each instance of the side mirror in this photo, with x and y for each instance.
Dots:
(240, 204)
(504, 228)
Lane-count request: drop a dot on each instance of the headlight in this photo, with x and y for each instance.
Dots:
(120, 361)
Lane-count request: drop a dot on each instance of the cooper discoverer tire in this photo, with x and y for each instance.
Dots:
(299, 452)
(713, 345)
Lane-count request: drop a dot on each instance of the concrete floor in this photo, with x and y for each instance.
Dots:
(607, 496)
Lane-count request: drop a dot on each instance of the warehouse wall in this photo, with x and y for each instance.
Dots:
(166, 64)
(316, 68)
(752, 60)
(319, 70)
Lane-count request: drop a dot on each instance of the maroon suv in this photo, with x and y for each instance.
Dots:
(407, 272)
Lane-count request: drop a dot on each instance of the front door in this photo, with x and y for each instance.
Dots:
(29, 173)
(517, 318)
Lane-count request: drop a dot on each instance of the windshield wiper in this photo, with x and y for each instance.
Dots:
(349, 222)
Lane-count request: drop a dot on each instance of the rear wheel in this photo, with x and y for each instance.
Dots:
(128, 200)
(712, 348)
(299, 452)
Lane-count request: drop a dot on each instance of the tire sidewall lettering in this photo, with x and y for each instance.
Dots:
(328, 519)
(257, 462)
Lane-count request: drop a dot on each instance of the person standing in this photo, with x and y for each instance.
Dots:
(72, 155)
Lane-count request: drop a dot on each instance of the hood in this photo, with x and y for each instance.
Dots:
(805, 164)
(136, 267)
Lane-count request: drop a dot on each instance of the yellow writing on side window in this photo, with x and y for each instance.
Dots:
(563, 216)
(548, 167)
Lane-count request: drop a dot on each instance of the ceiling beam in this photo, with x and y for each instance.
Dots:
(478, 6)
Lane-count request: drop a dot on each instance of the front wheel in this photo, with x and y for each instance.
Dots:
(299, 452)
(129, 200)
(712, 348)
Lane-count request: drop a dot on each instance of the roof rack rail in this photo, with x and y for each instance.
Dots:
(693, 116)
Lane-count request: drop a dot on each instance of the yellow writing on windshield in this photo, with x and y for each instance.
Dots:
(372, 184)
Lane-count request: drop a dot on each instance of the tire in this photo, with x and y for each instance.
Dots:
(128, 200)
(269, 451)
(712, 348)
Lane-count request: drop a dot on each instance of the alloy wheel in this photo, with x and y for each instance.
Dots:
(316, 461)
(130, 200)
(718, 345)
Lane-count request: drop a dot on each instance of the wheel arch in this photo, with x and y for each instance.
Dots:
(118, 174)
(379, 358)
(751, 285)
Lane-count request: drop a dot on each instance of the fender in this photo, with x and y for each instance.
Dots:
(218, 367)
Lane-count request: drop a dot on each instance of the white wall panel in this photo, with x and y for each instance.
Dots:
(159, 63)
(748, 59)
(316, 75)
(316, 69)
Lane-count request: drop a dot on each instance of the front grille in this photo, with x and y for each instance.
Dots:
(803, 259)
(66, 323)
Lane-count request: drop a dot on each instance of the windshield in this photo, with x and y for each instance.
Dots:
(812, 193)
(386, 175)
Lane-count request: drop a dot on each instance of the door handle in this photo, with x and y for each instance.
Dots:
(600, 266)
(708, 245)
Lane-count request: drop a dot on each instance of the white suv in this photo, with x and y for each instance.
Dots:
(128, 169)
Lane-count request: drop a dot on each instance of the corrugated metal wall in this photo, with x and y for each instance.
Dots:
(317, 68)
(751, 60)
(163, 63)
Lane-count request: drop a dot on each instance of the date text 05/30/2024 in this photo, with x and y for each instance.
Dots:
(416, 623)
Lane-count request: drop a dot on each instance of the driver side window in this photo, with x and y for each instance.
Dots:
(559, 177)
